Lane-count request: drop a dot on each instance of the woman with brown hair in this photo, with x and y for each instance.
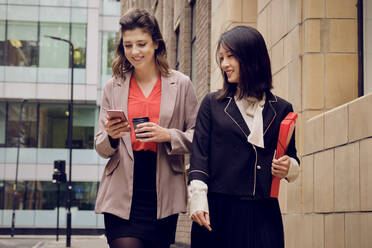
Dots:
(143, 185)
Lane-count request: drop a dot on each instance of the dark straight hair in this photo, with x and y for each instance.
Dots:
(248, 46)
(139, 18)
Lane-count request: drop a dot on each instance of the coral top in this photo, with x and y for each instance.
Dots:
(140, 106)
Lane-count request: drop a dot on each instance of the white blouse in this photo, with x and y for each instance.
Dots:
(251, 110)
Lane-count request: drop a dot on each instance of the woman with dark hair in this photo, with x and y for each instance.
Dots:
(143, 187)
(234, 143)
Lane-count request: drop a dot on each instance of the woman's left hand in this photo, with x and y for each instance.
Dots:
(280, 167)
(152, 132)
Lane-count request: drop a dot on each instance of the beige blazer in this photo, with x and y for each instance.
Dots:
(178, 110)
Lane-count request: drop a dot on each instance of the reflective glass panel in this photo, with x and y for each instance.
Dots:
(48, 195)
(26, 196)
(53, 125)
(22, 43)
(54, 53)
(111, 7)
(84, 195)
(108, 55)
(84, 122)
(2, 194)
(27, 131)
(78, 38)
(43, 195)
(2, 42)
(2, 122)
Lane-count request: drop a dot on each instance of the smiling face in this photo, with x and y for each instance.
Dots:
(229, 64)
(139, 48)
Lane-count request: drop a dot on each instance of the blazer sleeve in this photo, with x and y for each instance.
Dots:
(101, 140)
(291, 150)
(199, 161)
(181, 140)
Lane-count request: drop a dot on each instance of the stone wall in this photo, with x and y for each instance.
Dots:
(313, 49)
(336, 180)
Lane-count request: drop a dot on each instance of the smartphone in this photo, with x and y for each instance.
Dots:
(117, 114)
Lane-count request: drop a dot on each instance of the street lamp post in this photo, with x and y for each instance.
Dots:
(70, 116)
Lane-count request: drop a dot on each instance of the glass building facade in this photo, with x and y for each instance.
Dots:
(37, 68)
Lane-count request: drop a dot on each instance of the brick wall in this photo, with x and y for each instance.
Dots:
(203, 52)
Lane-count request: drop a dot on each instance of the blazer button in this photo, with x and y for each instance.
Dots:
(258, 167)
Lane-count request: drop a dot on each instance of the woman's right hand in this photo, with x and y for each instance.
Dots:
(202, 218)
(116, 128)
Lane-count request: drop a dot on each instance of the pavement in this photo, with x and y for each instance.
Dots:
(49, 241)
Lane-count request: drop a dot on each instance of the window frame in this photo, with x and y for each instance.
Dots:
(7, 143)
(177, 32)
(193, 38)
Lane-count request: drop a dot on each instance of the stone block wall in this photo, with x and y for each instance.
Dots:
(313, 50)
(336, 180)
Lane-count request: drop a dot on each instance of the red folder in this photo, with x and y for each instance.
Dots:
(285, 134)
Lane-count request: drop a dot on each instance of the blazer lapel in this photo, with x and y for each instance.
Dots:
(169, 90)
(268, 113)
(233, 112)
(120, 102)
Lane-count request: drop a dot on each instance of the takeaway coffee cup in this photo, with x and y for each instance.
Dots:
(139, 120)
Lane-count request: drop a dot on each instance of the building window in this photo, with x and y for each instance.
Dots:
(2, 123)
(28, 129)
(27, 46)
(108, 55)
(22, 43)
(53, 126)
(193, 39)
(41, 195)
(46, 125)
(54, 53)
(27, 191)
(111, 7)
(2, 43)
(78, 39)
(177, 48)
(83, 127)
(2, 194)
(84, 195)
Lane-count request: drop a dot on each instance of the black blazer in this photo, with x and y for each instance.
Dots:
(221, 155)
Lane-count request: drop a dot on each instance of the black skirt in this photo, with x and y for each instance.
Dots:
(240, 223)
(142, 222)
